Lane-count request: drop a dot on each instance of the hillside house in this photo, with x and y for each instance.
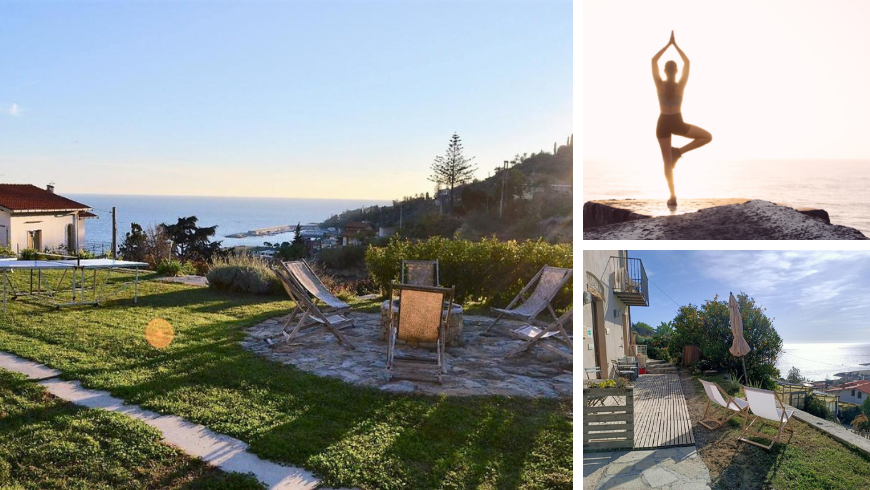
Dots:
(35, 218)
(612, 284)
(852, 392)
(355, 231)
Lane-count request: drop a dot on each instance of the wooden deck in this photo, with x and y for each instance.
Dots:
(661, 417)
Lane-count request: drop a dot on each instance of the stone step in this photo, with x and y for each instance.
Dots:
(654, 362)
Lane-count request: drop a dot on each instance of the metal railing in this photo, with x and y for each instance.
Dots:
(629, 280)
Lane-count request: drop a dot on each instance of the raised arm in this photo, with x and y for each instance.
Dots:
(684, 77)
(657, 76)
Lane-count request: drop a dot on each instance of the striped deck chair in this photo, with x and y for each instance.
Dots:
(763, 406)
(306, 312)
(544, 287)
(421, 318)
(531, 335)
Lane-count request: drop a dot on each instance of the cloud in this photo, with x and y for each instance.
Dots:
(13, 110)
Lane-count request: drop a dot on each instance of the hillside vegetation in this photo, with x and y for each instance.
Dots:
(533, 207)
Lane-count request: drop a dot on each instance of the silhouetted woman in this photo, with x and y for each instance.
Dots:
(670, 93)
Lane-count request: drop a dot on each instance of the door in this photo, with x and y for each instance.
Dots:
(34, 240)
(598, 337)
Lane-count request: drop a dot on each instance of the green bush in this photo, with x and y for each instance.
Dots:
(348, 257)
(709, 327)
(490, 270)
(29, 254)
(243, 274)
(816, 406)
(169, 267)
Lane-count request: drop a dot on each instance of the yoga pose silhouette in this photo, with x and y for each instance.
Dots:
(670, 94)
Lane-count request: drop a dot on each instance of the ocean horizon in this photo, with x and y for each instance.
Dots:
(229, 214)
(840, 187)
(818, 361)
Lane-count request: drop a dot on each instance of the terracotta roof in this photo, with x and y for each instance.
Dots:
(862, 385)
(87, 214)
(27, 197)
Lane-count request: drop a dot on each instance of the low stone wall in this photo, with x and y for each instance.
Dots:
(833, 429)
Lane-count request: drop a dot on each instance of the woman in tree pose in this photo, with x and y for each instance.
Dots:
(670, 93)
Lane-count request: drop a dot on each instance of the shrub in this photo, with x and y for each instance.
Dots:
(169, 267)
(243, 274)
(490, 270)
(709, 327)
(861, 422)
(816, 406)
(349, 257)
(7, 252)
(29, 254)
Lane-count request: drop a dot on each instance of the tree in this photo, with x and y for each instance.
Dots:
(664, 330)
(861, 422)
(642, 329)
(452, 169)
(865, 407)
(191, 242)
(133, 246)
(794, 376)
(709, 327)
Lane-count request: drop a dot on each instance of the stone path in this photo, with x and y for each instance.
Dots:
(188, 280)
(678, 468)
(225, 452)
(475, 367)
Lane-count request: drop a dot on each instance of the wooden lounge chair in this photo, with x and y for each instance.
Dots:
(308, 281)
(307, 313)
(531, 335)
(421, 273)
(543, 287)
(421, 318)
(732, 406)
(763, 406)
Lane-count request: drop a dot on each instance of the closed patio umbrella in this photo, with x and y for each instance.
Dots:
(739, 347)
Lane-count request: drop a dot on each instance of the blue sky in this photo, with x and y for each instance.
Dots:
(291, 99)
(813, 296)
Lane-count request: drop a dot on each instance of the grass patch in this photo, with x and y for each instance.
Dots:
(48, 443)
(348, 435)
(811, 460)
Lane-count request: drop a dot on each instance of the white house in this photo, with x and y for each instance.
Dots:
(852, 392)
(612, 284)
(39, 219)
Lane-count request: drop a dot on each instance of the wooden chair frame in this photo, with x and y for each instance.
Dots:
(784, 424)
(727, 415)
(523, 297)
(557, 328)
(309, 314)
(395, 327)
(431, 263)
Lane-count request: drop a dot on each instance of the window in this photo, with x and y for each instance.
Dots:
(853, 392)
(859, 394)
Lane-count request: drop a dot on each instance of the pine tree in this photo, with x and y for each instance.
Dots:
(452, 169)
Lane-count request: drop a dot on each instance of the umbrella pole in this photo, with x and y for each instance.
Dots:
(745, 377)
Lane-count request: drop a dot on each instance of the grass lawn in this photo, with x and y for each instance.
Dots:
(348, 435)
(811, 460)
(48, 443)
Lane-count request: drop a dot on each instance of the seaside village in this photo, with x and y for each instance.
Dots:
(360, 354)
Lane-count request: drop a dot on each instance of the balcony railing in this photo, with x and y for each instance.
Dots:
(629, 281)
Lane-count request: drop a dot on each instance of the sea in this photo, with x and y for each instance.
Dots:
(230, 214)
(840, 187)
(818, 361)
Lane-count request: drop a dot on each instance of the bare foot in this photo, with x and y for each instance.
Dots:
(672, 201)
(675, 155)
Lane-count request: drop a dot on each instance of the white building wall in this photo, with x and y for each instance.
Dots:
(54, 229)
(5, 230)
(598, 264)
(846, 396)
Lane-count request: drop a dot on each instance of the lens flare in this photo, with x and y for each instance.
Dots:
(159, 333)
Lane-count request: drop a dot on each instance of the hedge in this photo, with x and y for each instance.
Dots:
(489, 270)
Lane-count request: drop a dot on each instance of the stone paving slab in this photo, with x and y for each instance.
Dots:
(476, 366)
(30, 369)
(225, 452)
(668, 469)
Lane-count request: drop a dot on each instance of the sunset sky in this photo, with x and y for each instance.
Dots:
(283, 99)
(771, 79)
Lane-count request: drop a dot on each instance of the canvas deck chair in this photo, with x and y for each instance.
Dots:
(532, 335)
(733, 406)
(421, 318)
(308, 281)
(307, 313)
(535, 297)
(421, 273)
(762, 403)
